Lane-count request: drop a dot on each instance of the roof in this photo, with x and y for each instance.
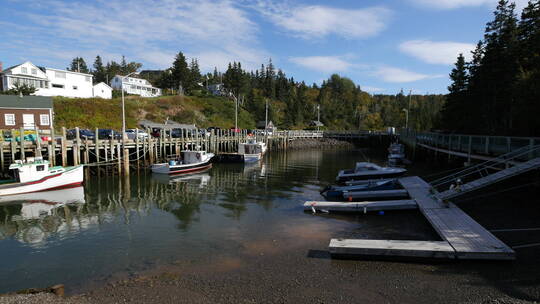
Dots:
(108, 86)
(72, 72)
(168, 124)
(26, 102)
(261, 124)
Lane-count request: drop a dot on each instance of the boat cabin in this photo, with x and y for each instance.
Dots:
(250, 148)
(191, 157)
(34, 168)
(364, 166)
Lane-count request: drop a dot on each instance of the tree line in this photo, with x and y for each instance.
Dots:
(498, 91)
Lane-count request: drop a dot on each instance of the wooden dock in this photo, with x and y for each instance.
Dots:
(458, 231)
(361, 206)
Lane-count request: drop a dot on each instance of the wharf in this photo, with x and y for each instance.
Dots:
(462, 237)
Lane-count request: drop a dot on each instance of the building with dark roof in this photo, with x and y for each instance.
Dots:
(26, 112)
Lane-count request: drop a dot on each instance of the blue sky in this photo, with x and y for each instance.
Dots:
(382, 45)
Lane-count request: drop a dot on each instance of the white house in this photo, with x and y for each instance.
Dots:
(68, 84)
(102, 90)
(26, 73)
(48, 81)
(136, 86)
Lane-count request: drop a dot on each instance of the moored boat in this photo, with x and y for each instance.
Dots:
(252, 150)
(188, 162)
(35, 174)
(365, 170)
(336, 192)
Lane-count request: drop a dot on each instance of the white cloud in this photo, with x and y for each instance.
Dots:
(454, 4)
(325, 64)
(318, 21)
(397, 75)
(149, 30)
(436, 52)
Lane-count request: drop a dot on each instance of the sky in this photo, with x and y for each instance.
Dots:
(383, 46)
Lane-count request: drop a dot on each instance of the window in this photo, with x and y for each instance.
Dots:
(40, 168)
(75, 87)
(60, 75)
(9, 119)
(34, 71)
(44, 119)
(88, 78)
(58, 86)
(24, 70)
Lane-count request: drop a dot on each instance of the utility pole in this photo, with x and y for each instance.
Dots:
(266, 117)
(318, 116)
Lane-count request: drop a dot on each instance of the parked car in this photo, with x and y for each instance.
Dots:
(132, 134)
(83, 134)
(109, 134)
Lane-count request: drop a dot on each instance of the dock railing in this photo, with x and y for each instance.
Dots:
(491, 146)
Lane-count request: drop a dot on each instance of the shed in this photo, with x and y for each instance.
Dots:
(27, 112)
(102, 90)
(270, 126)
(166, 125)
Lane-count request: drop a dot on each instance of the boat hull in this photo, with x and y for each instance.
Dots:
(249, 158)
(182, 169)
(72, 177)
(343, 177)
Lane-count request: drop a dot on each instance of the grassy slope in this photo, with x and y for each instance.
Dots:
(93, 113)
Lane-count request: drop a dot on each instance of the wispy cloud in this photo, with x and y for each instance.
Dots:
(436, 52)
(149, 30)
(397, 75)
(327, 64)
(454, 4)
(370, 89)
(317, 21)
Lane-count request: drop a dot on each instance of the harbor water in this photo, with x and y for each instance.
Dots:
(114, 228)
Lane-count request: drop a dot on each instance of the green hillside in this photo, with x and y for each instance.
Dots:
(93, 113)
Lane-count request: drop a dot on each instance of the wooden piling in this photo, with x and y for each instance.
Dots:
(64, 147)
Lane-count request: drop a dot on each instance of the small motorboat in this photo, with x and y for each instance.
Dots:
(35, 174)
(336, 192)
(252, 150)
(396, 154)
(188, 162)
(365, 170)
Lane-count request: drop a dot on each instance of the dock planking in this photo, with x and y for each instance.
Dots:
(468, 238)
(391, 248)
(361, 206)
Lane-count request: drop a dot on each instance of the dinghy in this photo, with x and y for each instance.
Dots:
(188, 162)
(35, 175)
(364, 171)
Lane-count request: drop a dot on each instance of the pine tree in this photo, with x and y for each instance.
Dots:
(99, 72)
(78, 65)
(456, 106)
(180, 73)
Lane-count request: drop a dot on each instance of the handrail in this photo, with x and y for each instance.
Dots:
(502, 159)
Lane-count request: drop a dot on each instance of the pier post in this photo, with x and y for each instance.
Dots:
(137, 146)
(150, 148)
(37, 152)
(2, 156)
(52, 152)
(96, 147)
(75, 148)
(119, 158)
(12, 149)
(21, 137)
(63, 147)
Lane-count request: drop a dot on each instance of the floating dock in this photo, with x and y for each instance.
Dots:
(462, 237)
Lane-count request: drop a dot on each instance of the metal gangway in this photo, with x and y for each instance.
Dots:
(481, 175)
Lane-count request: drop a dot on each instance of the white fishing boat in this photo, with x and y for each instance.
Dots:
(252, 150)
(35, 174)
(188, 162)
(365, 170)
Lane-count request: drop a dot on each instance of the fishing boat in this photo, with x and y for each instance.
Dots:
(336, 192)
(365, 170)
(35, 174)
(252, 150)
(188, 162)
(396, 154)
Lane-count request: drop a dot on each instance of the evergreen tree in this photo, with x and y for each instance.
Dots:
(180, 73)
(99, 72)
(455, 105)
(78, 65)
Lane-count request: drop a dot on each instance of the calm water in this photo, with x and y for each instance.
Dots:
(86, 235)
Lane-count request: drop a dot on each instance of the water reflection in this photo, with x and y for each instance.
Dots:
(32, 218)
